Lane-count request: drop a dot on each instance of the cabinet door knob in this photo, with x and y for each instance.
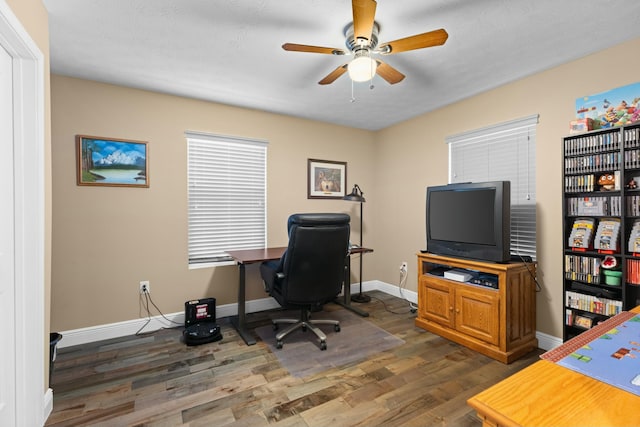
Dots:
(450, 308)
(457, 310)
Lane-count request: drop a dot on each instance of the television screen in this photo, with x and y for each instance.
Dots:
(470, 220)
(450, 213)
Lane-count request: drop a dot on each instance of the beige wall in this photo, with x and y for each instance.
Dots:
(413, 155)
(106, 240)
(34, 18)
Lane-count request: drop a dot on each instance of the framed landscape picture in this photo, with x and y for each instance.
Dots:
(326, 179)
(112, 162)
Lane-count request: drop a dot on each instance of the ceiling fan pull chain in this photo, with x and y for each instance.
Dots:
(353, 98)
(372, 74)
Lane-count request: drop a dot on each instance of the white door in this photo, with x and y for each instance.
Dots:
(24, 401)
(7, 238)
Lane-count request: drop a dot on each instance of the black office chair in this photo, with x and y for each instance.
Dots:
(311, 271)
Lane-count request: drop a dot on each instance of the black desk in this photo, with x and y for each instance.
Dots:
(252, 256)
(244, 257)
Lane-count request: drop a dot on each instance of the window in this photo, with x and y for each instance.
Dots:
(504, 152)
(227, 196)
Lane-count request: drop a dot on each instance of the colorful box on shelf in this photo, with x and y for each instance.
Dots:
(581, 234)
(581, 125)
(634, 238)
(607, 236)
(584, 321)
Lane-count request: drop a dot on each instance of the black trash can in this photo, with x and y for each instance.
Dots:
(54, 338)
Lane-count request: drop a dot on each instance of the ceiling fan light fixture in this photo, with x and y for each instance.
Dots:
(361, 39)
(362, 68)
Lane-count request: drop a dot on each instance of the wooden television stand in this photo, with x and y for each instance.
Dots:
(499, 323)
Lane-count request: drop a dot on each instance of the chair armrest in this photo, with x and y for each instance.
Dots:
(270, 275)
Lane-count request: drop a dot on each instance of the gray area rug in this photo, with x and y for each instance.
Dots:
(301, 354)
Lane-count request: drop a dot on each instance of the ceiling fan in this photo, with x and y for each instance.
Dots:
(362, 43)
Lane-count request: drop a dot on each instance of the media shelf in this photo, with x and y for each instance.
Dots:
(601, 225)
(499, 322)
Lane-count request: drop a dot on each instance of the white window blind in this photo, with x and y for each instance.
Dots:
(227, 196)
(504, 152)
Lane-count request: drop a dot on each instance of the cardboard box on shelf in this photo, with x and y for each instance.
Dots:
(581, 125)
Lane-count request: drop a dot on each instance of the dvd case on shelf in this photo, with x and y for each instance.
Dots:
(581, 233)
(608, 235)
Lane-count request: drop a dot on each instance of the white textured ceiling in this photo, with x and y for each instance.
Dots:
(229, 51)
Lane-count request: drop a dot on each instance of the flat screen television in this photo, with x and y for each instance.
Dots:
(470, 220)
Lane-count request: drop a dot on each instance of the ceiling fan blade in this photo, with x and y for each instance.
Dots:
(332, 76)
(292, 47)
(387, 72)
(419, 41)
(364, 12)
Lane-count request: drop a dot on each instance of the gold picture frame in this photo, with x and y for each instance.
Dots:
(112, 162)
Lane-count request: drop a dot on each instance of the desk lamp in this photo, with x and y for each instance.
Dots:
(357, 196)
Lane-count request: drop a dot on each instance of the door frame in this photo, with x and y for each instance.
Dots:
(33, 402)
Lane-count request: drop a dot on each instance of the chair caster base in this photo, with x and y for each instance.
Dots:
(305, 324)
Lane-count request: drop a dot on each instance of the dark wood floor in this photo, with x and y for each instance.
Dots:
(156, 380)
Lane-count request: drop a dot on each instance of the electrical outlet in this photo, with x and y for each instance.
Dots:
(145, 287)
(403, 267)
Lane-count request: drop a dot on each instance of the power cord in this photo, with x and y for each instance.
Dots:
(143, 302)
(387, 309)
(525, 262)
(401, 286)
(403, 283)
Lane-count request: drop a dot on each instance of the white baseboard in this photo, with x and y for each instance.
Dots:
(48, 403)
(387, 288)
(547, 342)
(130, 327)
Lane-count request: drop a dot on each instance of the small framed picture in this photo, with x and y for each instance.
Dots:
(326, 179)
(112, 162)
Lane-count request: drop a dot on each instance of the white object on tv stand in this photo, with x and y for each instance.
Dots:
(458, 275)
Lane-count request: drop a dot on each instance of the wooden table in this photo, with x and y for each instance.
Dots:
(547, 394)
